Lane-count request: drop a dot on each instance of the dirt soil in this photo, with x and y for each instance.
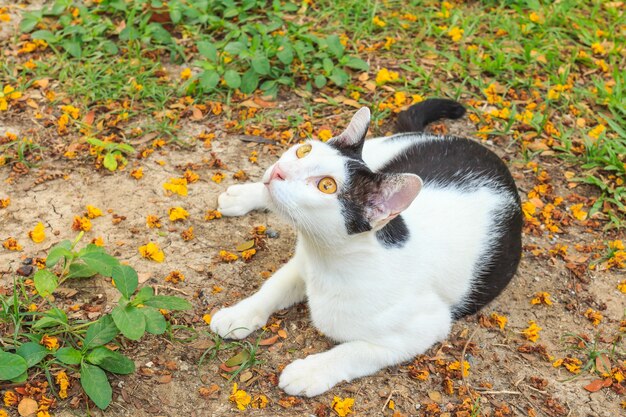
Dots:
(169, 377)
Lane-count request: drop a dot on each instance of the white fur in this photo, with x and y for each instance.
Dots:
(384, 305)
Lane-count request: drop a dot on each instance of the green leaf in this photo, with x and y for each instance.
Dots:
(91, 248)
(78, 270)
(168, 302)
(69, 356)
(11, 366)
(234, 48)
(249, 82)
(261, 65)
(45, 282)
(58, 251)
(125, 279)
(320, 81)
(30, 20)
(232, 78)
(129, 33)
(101, 332)
(111, 361)
(358, 64)
(238, 359)
(339, 77)
(44, 35)
(100, 262)
(32, 353)
(53, 317)
(285, 55)
(142, 295)
(72, 47)
(95, 383)
(207, 50)
(109, 161)
(130, 321)
(21, 378)
(155, 322)
(334, 46)
(209, 80)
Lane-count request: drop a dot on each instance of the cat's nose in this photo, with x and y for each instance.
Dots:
(277, 174)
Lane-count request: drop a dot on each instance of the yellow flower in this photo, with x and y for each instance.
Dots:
(175, 277)
(529, 209)
(191, 176)
(3, 413)
(137, 173)
(176, 186)
(81, 223)
(38, 234)
(49, 342)
(571, 364)
(598, 48)
(248, 254)
(45, 413)
(500, 320)
(541, 298)
(228, 256)
(212, 214)
(578, 212)
(455, 33)
(4, 202)
(185, 74)
(177, 213)
(63, 382)
(399, 98)
(324, 135)
(218, 177)
(98, 241)
(11, 244)
(153, 221)
(384, 75)
(597, 131)
(207, 318)
(188, 235)
(378, 22)
(535, 18)
(593, 316)
(71, 111)
(342, 407)
(532, 331)
(241, 398)
(152, 251)
(622, 286)
(456, 366)
(260, 401)
(10, 399)
(93, 212)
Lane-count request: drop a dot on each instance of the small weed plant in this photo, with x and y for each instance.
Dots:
(44, 339)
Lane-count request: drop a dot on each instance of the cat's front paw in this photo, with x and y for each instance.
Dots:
(239, 199)
(238, 321)
(309, 377)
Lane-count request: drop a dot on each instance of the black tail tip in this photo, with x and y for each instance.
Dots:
(419, 115)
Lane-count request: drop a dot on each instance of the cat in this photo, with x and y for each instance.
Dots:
(397, 237)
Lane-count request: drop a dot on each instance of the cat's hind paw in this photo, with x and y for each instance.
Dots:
(240, 199)
(308, 377)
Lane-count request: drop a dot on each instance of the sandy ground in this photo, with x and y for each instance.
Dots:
(169, 377)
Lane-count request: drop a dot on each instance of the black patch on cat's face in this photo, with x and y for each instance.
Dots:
(363, 186)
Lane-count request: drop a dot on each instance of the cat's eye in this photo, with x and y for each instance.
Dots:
(303, 150)
(327, 185)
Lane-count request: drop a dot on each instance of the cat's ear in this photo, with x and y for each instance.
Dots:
(395, 193)
(351, 139)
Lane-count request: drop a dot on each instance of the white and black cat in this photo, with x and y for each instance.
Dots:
(397, 237)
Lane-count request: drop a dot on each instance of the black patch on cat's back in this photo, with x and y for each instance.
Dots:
(394, 234)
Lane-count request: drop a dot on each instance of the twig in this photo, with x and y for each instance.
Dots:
(469, 339)
(499, 392)
(171, 288)
(387, 401)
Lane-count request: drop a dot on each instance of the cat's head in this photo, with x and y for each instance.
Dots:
(330, 194)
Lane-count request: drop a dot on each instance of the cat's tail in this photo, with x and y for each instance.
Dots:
(416, 117)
